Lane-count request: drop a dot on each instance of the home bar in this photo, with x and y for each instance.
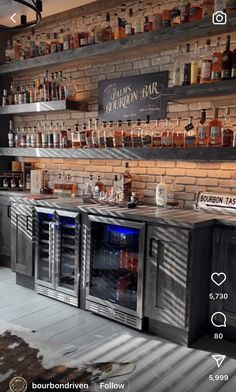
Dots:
(118, 195)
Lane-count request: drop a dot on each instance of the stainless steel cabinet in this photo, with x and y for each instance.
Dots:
(166, 275)
(5, 231)
(22, 239)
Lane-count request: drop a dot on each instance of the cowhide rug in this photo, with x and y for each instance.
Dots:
(25, 354)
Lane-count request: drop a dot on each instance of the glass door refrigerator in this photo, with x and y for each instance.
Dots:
(115, 264)
(57, 254)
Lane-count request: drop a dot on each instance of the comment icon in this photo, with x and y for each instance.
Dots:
(218, 319)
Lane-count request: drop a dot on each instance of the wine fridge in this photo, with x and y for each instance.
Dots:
(114, 278)
(57, 254)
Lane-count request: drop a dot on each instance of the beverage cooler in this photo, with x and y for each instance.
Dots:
(57, 254)
(115, 262)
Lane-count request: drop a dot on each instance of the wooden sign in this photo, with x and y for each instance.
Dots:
(134, 97)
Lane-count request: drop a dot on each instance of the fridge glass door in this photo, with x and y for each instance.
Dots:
(114, 263)
(45, 233)
(67, 253)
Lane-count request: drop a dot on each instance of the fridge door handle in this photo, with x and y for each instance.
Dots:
(9, 211)
(51, 247)
(156, 250)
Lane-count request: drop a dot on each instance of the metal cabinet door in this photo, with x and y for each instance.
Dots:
(22, 236)
(5, 227)
(166, 275)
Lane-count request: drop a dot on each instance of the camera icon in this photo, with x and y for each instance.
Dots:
(219, 18)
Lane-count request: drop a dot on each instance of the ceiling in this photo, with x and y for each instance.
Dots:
(50, 7)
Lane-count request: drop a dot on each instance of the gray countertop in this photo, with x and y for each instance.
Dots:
(175, 217)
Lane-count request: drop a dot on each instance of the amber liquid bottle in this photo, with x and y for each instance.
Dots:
(127, 183)
(227, 57)
(215, 127)
(202, 131)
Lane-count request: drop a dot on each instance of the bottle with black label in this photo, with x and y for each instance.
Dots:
(227, 57)
(11, 135)
(187, 67)
(126, 181)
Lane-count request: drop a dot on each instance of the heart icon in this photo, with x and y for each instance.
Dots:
(218, 278)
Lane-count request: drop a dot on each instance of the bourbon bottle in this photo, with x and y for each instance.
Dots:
(215, 127)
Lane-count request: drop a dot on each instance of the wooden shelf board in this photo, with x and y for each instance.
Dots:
(50, 106)
(178, 154)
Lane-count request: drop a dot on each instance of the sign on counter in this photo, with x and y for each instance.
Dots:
(216, 202)
(134, 97)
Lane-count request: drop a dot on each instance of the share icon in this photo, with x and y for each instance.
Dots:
(219, 359)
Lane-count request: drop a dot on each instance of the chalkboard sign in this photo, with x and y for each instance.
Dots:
(134, 97)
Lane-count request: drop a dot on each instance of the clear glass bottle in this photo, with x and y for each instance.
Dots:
(206, 63)
(190, 134)
(11, 135)
(76, 137)
(178, 134)
(167, 135)
(95, 135)
(216, 62)
(45, 137)
(101, 133)
(195, 66)
(156, 138)
(83, 134)
(89, 139)
(187, 67)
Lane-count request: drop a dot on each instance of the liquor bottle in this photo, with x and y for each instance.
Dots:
(226, 61)
(227, 131)
(147, 133)
(137, 135)
(177, 78)
(46, 190)
(11, 135)
(190, 134)
(89, 140)
(102, 133)
(171, 195)
(187, 67)
(206, 63)
(107, 30)
(184, 11)
(33, 138)
(202, 131)
(161, 193)
(47, 88)
(126, 182)
(95, 135)
(230, 6)
(58, 184)
(10, 97)
(147, 26)
(127, 135)
(207, 8)
(118, 135)
(195, 68)
(233, 72)
(98, 30)
(129, 24)
(9, 52)
(76, 137)
(28, 138)
(175, 14)
(216, 63)
(138, 24)
(89, 188)
(63, 134)
(56, 136)
(156, 138)
(178, 134)
(215, 127)
(166, 135)
(4, 98)
(98, 187)
(91, 32)
(67, 186)
(109, 134)
(195, 12)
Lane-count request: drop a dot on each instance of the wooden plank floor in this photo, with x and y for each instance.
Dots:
(161, 366)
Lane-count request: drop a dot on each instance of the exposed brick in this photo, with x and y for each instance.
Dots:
(147, 163)
(175, 172)
(186, 165)
(185, 180)
(207, 181)
(208, 165)
(219, 173)
(141, 64)
(124, 67)
(155, 170)
(196, 173)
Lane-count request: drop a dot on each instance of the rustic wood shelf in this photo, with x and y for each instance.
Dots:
(214, 91)
(153, 42)
(189, 154)
(50, 106)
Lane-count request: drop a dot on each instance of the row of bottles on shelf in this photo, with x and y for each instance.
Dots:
(120, 24)
(212, 65)
(54, 87)
(140, 134)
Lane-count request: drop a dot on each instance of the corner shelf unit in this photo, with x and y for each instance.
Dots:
(146, 43)
(190, 154)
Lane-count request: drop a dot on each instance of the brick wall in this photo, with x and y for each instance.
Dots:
(190, 177)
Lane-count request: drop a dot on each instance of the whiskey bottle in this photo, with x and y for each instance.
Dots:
(187, 67)
(216, 63)
(227, 131)
(178, 134)
(118, 135)
(89, 133)
(202, 131)
(109, 134)
(227, 56)
(95, 136)
(166, 135)
(102, 134)
(215, 127)
(76, 137)
(195, 68)
(184, 11)
(98, 187)
(147, 133)
(206, 63)
(128, 135)
(233, 72)
(126, 182)
(11, 135)
(190, 134)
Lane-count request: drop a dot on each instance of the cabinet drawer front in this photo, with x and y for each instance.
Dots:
(166, 275)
